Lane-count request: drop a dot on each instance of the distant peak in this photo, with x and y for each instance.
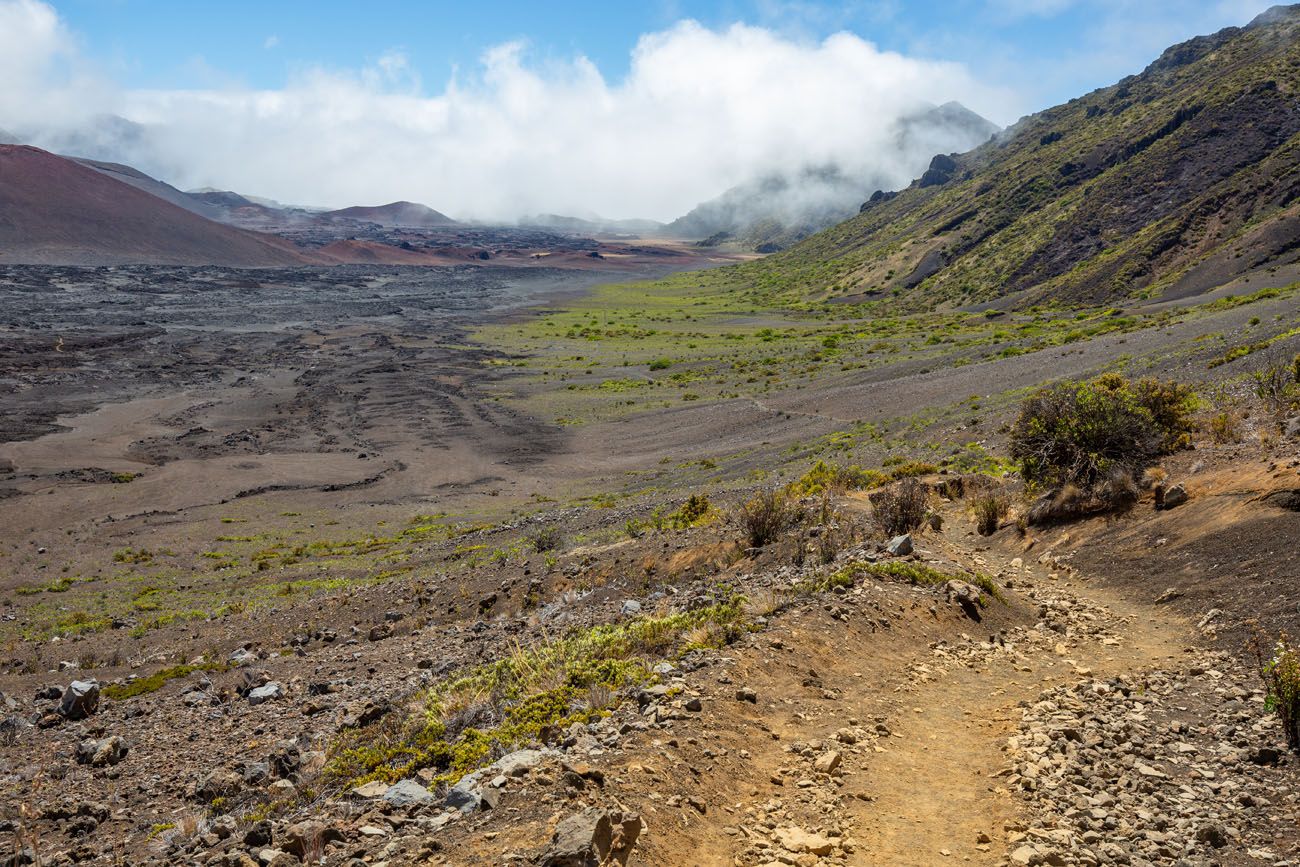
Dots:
(1276, 15)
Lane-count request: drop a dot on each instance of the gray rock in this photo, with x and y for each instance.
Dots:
(631, 606)
(465, 795)
(592, 838)
(900, 546)
(99, 753)
(218, 783)
(1175, 497)
(270, 692)
(1292, 429)
(406, 793)
(80, 700)
(519, 762)
(243, 656)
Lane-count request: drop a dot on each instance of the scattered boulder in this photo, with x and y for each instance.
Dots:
(966, 595)
(372, 789)
(218, 784)
(99, 753)
(519, 762)
(798, 840)
(407, 793)
(80, 700)
(592, 838)
(900, 546)
(465, 795)
(303, 838)
(1174, 497)
(270, 692)
(1289, 500)
(827, 763)
(259, 834)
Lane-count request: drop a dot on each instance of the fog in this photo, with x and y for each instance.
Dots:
(698, 112)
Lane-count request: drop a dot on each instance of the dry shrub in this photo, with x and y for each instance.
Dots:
(765, 602)
(900, 508)
(1069, 502)
(1224, 427)
(765, 516)
(989, 512)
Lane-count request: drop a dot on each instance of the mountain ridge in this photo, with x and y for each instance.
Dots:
(1173, 180)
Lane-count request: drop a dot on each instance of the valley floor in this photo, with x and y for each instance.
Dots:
(309, 549)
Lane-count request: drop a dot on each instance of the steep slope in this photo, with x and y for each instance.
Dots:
(397, 215)
(772, 212)
(153, 186)
(1169, 183)
(57, 211)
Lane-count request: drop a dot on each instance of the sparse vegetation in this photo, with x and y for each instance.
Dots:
(765, 516)
(989, 509)
(900, 508)
(1279, 668)
(468, 720)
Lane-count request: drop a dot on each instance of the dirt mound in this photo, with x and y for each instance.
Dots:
(409, 214)
(57, 211)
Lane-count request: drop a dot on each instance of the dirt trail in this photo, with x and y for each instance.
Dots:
(939, 788)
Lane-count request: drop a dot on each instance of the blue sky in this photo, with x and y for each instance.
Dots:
(1045, 50)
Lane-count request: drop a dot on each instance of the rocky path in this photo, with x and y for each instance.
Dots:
(941, 788)
(943, 773)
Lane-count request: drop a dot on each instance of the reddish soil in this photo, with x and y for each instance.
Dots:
(54, 210)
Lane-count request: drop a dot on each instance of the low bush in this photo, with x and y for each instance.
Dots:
(1094, 434)
(901, 507)
(1279, 668)
(834, 478)
(989, 512)
(1224, 427)
(765, 516)
(546, 539)
(695, 511)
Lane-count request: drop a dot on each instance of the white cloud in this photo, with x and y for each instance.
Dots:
(270, 42)
(700, 110)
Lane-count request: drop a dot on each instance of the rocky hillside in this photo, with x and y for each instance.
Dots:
(1168, 183)
(782, 207)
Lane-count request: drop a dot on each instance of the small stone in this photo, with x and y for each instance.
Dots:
(269, 692)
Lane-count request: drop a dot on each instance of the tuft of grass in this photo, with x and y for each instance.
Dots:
(912, 573)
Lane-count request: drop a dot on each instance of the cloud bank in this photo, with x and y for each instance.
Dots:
(699, 111)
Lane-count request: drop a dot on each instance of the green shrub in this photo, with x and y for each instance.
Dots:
(1279, 668)
(824, 477)
(1086, 433)
(695, 511)
(546, 539)
(910, 469)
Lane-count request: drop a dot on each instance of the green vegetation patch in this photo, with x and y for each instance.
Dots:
(466, 721)
(155, 681)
